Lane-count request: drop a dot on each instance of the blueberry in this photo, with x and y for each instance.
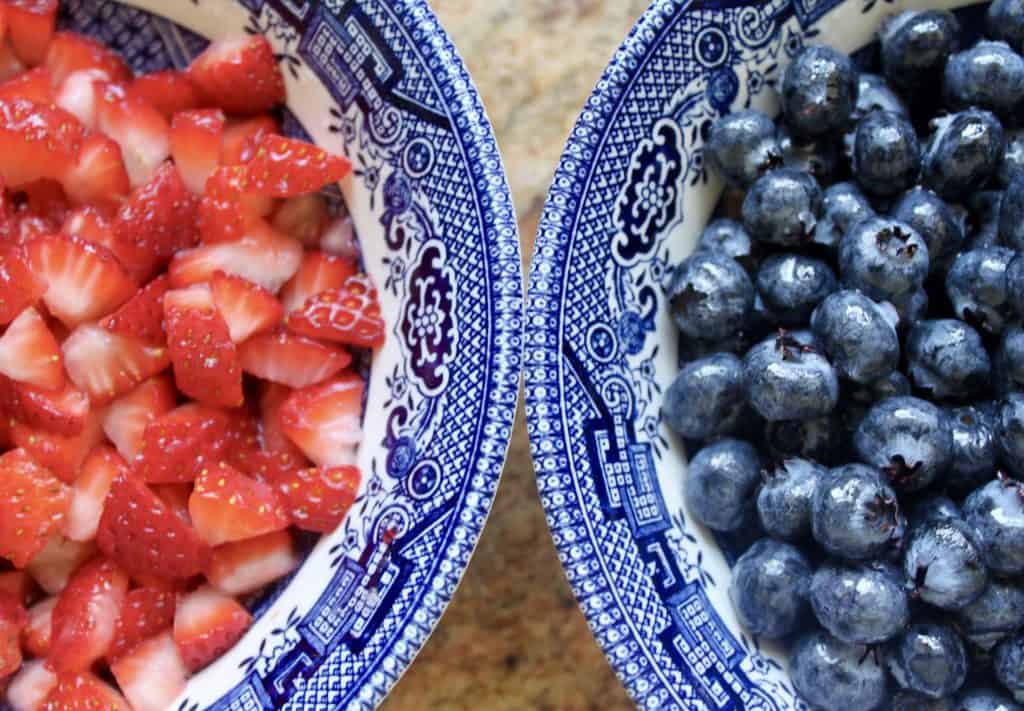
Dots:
(817, 156)
(974, 446)
(989, 75)
(886, 153)
(1011, 215)
(1015, 284)
(742, 146)
(1010, 432)
(858, 335)
(998, 613)
(782, 207)
(963, 152)
(942, 226)
(932, 508)
(720, 484)
(1013, 157)
(909, 439)
(884, 258)
(859, 604)
(787, 378)
(904, 700)
(707, 398)
(1008, 361)
(1009, 665)
(916, 45)
(1005, 21)
(819, 91)
(769, 589)
(728, 237)
(817, 438)
(843, 205)
(929, 659)
(996, 514)
(947, 359)
(944, 565)
(875, 94)
(982, 699)
(831, 674)
(791, 285)
(711, 296)
(976, 286)
(784, 501)
(854, 513)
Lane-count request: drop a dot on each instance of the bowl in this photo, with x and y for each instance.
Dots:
(628, 202)
(380, 82)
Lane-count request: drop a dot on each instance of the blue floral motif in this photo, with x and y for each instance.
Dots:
(427, 325)
(632, 332)
(401, 456)
(723, 88)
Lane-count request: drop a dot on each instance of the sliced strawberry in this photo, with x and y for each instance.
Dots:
(146, 613)
(142, 316)
(85, 618)
(35, 638)
(83, 692)
(176, 497)
(91, 223)
(99, 174)
(242, 138)
(179, 445)
(226, 211)
(30, 354)
(13, 620)
(283, 167)
(19, 584)
(168, 92)
(44, 198)
(10, 65)
(62, 455)
(89, 492)
(71, 52)
(79, 93)
(349, 315)
(54, 565)
(64, 412)
(302, 217)
(33, 504)
(204, 357)
(319, 499)
(242, 438)
(145, 537)
(247, 566)
(33, 85)
(19, 286)
(239, 74)
(36, 141)
(263, 257)
(128, 417)
(272, 398)
(207, 624)
(30, 26)
(85, 280)
(196, 138)
(228, 506)
(30, 686)
(140, 130)
(106, 365)
(291, 360)
(325, 421)
(318, 273)
(247, 308)
(152, 674)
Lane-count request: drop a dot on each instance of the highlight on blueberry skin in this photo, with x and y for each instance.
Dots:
(928, 659)
(885, 259)
(906, 438)
(855, 513)
(975, 452)
(707, 398)
(886, 153)
(787, 377)
(860, 604)
(947, 359)
(769, 589)
(784, 500)
(720, 484)
(944, 564)
(819, 90)
(742, 146)
(996, 514)
(858, 335)
(989, 75)
(962, 153)
(843, 205)
(977, 287)
(915, 46)
(832, 674)
(791, 285)
(782, 207)
(711, 296)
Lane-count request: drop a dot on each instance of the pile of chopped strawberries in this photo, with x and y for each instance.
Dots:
(178, 309)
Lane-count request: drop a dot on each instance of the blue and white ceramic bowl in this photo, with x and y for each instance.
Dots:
(629, 201)
(378, 81)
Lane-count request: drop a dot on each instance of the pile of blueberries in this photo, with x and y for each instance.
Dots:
(854, 386)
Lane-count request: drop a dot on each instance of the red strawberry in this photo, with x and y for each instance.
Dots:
(10, 65)
(168, 92)
(325, 421)
(205, 358)
(85, 280)
(302, 217)
(85, 617)
(61, 455)
(246, 307)
(246, 566)
(91, 223)
(71, 52)
(207, 624)
(283, 167)
(291, 360)
(263, 257)
(319, 499)
(176, 497)
(33, 503)
(239, 74)
(142, 316)
(30, 686)
(146, 613)
(30, 354)
(89, 492)
(36, 141)
(106, 365)
(196, 138)
(79, 93)
(349, 315)
(339, 238)
(319, 272)
(52, 567)
(99, 174)
(19, 584)
(228, 506)
(83, 692)
(19, 286)
(179, 445)
(13, 620)
(242, 438)
(226, 211)
(35, 638)
(140, 130)
(30, 26)
(152, 674)
(242, 138)
(64, 412)
(33, 85)
(274, 439)
(145, 537)
(128, 417)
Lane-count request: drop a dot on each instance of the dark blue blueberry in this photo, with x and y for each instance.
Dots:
(782, 207)
(787, 378)
(854, 513)
(1008, 664)
(996, 513)
(860, 604)
(976, 286)
(942, 226)
(1013, 157)
(932, 508)
(707, 399)
(983, 219)
(817, 156)
(1008, 361)
(904, 700)
(975, 453)
(886, 153)
(843, 206)
(742, 146)
(720, 484)
(769, 589)
(831, 674)
(1010, 432)
(1005, 21)
(884, 258)
(944, 565)
(728, 237)
(963, 152)
(858, 335)
(1011, 215)
(791, 285)
(818, 438)
(908, 439)
(998, 613)
(983, 699)
(946, 358)
(711, 296)
(875, 94)
(737, 342)
(916, 45)
(989, 75)
(784, 501)
(819, 91)
(1015, 284)
(929, 659)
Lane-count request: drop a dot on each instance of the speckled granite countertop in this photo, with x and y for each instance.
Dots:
(513, 638)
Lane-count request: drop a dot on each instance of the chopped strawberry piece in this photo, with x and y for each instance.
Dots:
(10, 65)
(242, 439)
(283, 167)
(19, 286)
(106, 365)
(176, 497)
(226, 212)
(146, 613)
(302, 217)
(239, 74)
(228, 506)
(127, 418)
(319, 499)
(30, 26)
(13, 619)
(247, 308)
(339, 238)
(83, 692)
(325, 421)
(98, 175)
(274, 439)
(242, 138)
(145, 537)
(246, 566)
(45, 198)
(89, 492)
(291, 360)
(62, 455)
(35, 638)
(85, 617)
(33, 504)
(30, 354)
(204, 357)
(196, 138)
(142, 316)
(168, 92)
(140, 130)
(30, 686)
(36, 141)
(349, 315)
(263, 257)
(91, 223)
(79, 94)
(152, 674)
(85, 280)
(19, 584)
(64, 412)
(207, 624)
(33, 85)
(71, 52)
(179, 445)
(318, 273)
(53, 566)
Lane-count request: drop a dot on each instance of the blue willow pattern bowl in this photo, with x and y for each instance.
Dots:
(378, 81)
(628, 202)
